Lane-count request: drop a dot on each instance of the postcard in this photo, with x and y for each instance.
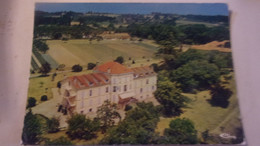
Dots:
(132, 73)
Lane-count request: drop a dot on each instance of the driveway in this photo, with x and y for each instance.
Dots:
(49, 108)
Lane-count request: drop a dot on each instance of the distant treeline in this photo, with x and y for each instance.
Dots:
(203, 18)
(155, 26)
(187, 34)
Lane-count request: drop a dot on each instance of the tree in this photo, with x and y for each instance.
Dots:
(53, 124)
(31, 102)
(82, 128)
(45, 69)
(107, 114)
(44, 98)
(40, 45)
(197, 74)
(170, 98)
(138, 127)
(188, 56)
(32, 129)
(76, 68)
(59, 141)
(120, 59)
(91, 65)
(181, 131)
(220, 96)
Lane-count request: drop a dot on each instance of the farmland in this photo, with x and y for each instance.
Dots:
(84, 51)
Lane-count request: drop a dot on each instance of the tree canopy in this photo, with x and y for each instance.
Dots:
(107, 115)
(170, 98)
(32, 129)
(119, 59)
(197, 74)
(138, 127)
(40, 45)
(181, 131)
(82, 128)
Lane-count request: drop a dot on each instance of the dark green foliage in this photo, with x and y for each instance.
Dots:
(31, 130)
(107, 115)
(76, 68)
(188, 56)
(45, 69)
(59, 84)
(53, 124)
(197, 74)
(40, 45)
(59, 141)
(128, 107)
(220, 96)
(170, 98)
(91, 65)
(56, 35)
(44, 98)
(81, 128)
(138, 127)
(221, 59)
(120, 59)
(31, 102)
(181, 131)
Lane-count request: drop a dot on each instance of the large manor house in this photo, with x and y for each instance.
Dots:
(109, 81)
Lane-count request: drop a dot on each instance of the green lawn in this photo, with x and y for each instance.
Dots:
(216, 119)
(39, 86)
(82, 51)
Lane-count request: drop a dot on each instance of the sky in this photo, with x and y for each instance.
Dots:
(137, 8)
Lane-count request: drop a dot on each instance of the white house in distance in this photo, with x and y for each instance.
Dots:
(109, 81)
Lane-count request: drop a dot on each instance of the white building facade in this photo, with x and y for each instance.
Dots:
(110, 81)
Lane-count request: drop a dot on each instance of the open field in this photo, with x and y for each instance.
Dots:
(215, 45)
(83, 51)
(216, 119)
(186, 22)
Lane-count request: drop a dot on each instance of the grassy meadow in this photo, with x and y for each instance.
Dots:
(83, 51)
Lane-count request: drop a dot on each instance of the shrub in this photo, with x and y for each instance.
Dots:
(76, 68)
(91, 65)
(53, 124)
(31, 102)
(119, 59)
(44, 98)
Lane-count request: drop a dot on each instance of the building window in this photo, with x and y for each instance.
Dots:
(152, 87)
(114, 88)
(82, 112)
(90, 110)
(147, 81)
(141, 90)
(141, 96)
(125, 88)
(90, 92)
(107, 89)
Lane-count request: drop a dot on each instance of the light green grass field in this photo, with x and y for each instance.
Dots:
(83, 51)
(216, 119)
(185, 22)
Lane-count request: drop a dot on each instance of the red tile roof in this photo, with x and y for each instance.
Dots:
(113, 68)
(142, 71)
(89, 80)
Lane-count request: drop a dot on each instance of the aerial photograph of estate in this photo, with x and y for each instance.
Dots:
(131, 73)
